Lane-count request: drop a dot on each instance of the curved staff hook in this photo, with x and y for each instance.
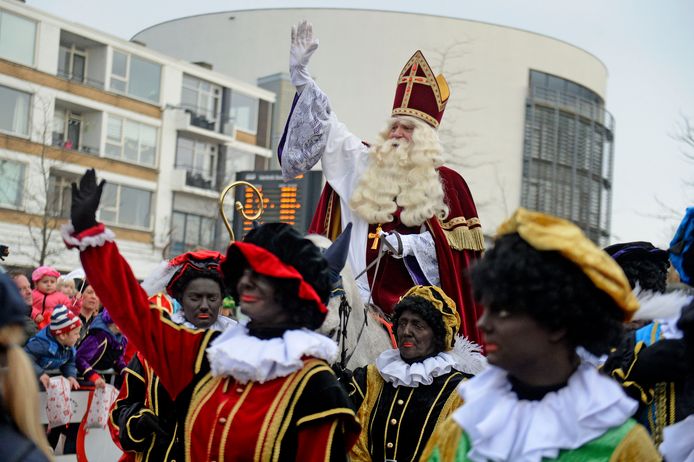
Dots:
(239, 206)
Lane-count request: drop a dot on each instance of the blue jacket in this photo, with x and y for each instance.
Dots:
(47, 354)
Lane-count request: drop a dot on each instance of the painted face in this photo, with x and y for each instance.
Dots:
(257, 300)
(201, 301)
(415, 336)
(515, 341)
(22, 283)
(90, 301)
(401, 130)
(68, 339)
(47, 284)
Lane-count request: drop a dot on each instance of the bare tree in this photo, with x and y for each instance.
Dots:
(685, 134)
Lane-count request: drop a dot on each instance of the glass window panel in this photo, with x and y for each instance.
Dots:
(17, 38)
(144, 79)
(131, 140)
(148, 144)
(207, 232)
(78, 64)
(14, 116)
(244, 112)
(64, 61)
(118, 85)
(115, 127)
(109, 196)
(178, 226)
(108, 216)
(133, 208)
(11, 182)
(189, 98)
(193, 229)
(184, 153)
(119, 65)
(112, 150)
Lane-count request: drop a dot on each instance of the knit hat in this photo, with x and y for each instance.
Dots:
(63, 320)
(43, 271)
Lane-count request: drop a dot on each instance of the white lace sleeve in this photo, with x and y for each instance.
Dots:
(421, 247)
(307, 132)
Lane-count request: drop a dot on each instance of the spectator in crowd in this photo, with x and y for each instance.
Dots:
(54, 346)
(46, 296)
(101, 349)
(24, 286)
(90, 304)
(22, 437)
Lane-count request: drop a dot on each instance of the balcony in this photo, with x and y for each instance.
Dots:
(192, 182)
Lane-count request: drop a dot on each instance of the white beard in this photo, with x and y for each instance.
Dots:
(402, 174)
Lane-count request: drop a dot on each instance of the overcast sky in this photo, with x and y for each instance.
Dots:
(646, 45)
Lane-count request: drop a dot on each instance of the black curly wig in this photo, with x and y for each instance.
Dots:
(293, 249)
(515, 277)
(642, 262)
(182, 282)
(428, 313)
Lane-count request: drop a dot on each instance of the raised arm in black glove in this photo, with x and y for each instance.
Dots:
(85, 201)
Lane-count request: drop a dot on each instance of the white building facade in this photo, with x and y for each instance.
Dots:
(525, 124)
(166, 134)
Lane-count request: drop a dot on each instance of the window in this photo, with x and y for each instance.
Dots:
(244, 112)
(11, 183)
(125, 206)
(61, 193)
(14, 116)
(72, 62)
(189, 231)
(135, 76)
(201, 98)
(199, 159)
(131, 141)
(17, 38)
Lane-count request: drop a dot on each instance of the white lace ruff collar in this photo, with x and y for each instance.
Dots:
(502, 427)
(247, 358)
(465, 357)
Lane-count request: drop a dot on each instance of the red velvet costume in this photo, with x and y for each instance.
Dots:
(280, 419)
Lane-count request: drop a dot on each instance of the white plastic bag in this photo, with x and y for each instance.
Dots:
(100, 408)
(58, 403)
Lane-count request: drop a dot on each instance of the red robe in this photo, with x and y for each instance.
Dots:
(305, 416)
(458, 239)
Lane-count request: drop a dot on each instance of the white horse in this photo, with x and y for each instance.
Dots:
(365, 337)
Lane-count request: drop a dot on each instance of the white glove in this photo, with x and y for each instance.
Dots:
(404, 245)
(303, 46)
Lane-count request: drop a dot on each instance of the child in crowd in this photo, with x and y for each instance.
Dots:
(54, 346)
(46, 296)
(67, 286)
(101, 349)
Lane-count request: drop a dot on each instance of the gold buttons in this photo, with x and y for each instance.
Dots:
(389, 445)
(393, 421)
(401, 402)
(222, 420)
(239, 390)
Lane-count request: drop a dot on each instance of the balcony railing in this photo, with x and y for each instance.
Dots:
(199, 180)
(64, 74)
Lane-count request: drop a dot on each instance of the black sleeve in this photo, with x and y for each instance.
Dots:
(129, 407)
(356, 387)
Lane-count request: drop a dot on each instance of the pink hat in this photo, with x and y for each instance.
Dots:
(42, 271)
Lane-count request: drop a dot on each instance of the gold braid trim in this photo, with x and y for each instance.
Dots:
(463, 234)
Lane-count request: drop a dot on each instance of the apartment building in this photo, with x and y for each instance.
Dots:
(166, 134)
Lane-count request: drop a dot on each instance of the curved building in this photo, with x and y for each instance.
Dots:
(525, 124)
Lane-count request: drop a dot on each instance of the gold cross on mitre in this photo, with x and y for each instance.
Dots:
(410, 80)
(375, 236)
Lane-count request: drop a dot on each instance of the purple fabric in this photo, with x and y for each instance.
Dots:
(280, 146)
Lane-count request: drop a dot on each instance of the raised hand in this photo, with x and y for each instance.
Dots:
(85, 201)
(304, 44)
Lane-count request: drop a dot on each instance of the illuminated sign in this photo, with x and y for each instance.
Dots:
(292, 201)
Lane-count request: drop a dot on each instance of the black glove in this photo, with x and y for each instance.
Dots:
(85, 201)
(664, 361)
(148, 424)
